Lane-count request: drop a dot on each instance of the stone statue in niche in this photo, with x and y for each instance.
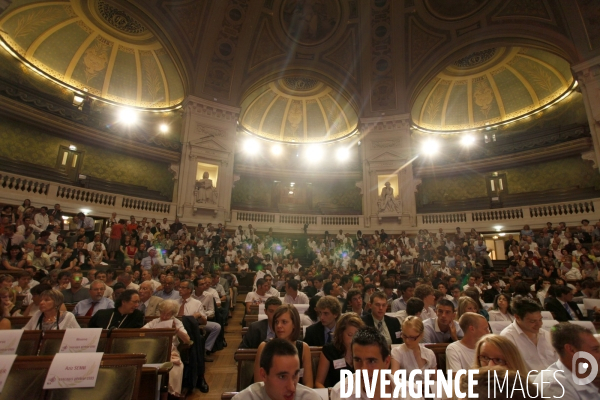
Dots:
(204, 190)
(387, 203)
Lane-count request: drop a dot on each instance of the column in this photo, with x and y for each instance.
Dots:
(386, 154)
(588, 77)
(208, 147)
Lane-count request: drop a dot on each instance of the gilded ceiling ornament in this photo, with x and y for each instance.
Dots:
(475, 59)
(95, 60)
(310, 21)
(484, 97)
(119, 19)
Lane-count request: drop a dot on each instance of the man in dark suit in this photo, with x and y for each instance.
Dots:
(388, 326)
(562, 305)
(260, 331)
(321, 333)
(490, 294)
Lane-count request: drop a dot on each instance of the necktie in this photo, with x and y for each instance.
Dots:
(142, 308)
(380, 326)
(182, 308)
(571, 313)
(328, 340)
(90, 312)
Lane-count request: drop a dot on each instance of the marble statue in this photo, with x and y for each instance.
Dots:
(387, 203)
(204, 190)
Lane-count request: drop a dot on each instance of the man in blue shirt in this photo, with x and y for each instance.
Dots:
(97, 301)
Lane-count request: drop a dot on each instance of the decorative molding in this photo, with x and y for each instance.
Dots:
(525, 9)
(211, 109)
(209, 131)
(383, 81)
(422, 41)
(266, 47)
(390, 123)
(590, 156)
(220, 69)
(384, 144)
(344, 55)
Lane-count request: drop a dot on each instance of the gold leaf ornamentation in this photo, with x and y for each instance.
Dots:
(27, 24)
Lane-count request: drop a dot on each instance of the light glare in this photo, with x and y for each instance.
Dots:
(467, 140)
(276, 149)
(164, 128)
(430, 147)
(315, 153)
(251, 146)
(343, 153)
(128, 116)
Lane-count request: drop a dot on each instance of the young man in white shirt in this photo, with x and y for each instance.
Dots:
(257, 297)
(461, 354)
(571, 341)
(293, 296)
(370, 352)
(279, 372)
(526, 333)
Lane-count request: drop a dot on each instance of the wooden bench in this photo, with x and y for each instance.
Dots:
(119, 377)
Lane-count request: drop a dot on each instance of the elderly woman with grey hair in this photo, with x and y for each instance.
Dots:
(49, 316)
(168, 310)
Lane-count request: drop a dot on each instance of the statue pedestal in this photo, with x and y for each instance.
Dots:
(387, 215)
(205, 206)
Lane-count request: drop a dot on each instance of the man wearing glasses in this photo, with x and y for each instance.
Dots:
(526, 333)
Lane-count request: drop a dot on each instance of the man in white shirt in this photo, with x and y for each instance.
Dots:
(572, 342)
(27, 223)
(293, 296)
(461, 354)
(526, 333)
(101, 276)
(192, 307)
(443, 328)
(90, 245)
(204, 297)
(147, 277)
(257, 297)
(126, 279)
(279, 374)
(41, 219)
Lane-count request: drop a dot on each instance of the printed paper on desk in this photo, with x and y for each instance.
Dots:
(6, 362)
(9, 340)
(168, 324)
(80, 340)
(70, 370)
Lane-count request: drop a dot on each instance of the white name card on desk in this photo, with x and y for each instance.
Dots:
(71, 370)
(9, 340)
(80, 340)
(6, 362)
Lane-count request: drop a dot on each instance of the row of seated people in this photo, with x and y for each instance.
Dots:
(128, 311)
(522, 346)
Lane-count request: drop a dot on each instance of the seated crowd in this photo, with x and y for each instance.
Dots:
(394, 293)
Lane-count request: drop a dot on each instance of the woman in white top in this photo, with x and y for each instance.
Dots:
(49, 315)
(412, 354)
(501, 309)
(168, 309)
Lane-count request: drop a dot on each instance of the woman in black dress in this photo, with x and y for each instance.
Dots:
(337, 356)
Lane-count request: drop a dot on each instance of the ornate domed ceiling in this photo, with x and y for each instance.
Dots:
(94, 45)
(298, 110)
(491, 87)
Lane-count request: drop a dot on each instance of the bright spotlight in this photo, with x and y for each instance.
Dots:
(343, 153)
(467, 140)
(498, 227)
(128, 116)
(315, 153)
(276, 149)
(164, 128)
(430, 147)
(251, 146)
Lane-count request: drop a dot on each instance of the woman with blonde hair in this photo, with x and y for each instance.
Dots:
(49, 316)
(412, 354)
(168, 310)
(286, 325)
(466, 304)
(328, 372)
(493, 350)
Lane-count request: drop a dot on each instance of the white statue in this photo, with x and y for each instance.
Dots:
(204, 191)
(387, 203)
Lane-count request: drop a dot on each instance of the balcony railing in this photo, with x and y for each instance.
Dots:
(45, 192)
(294, 219)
